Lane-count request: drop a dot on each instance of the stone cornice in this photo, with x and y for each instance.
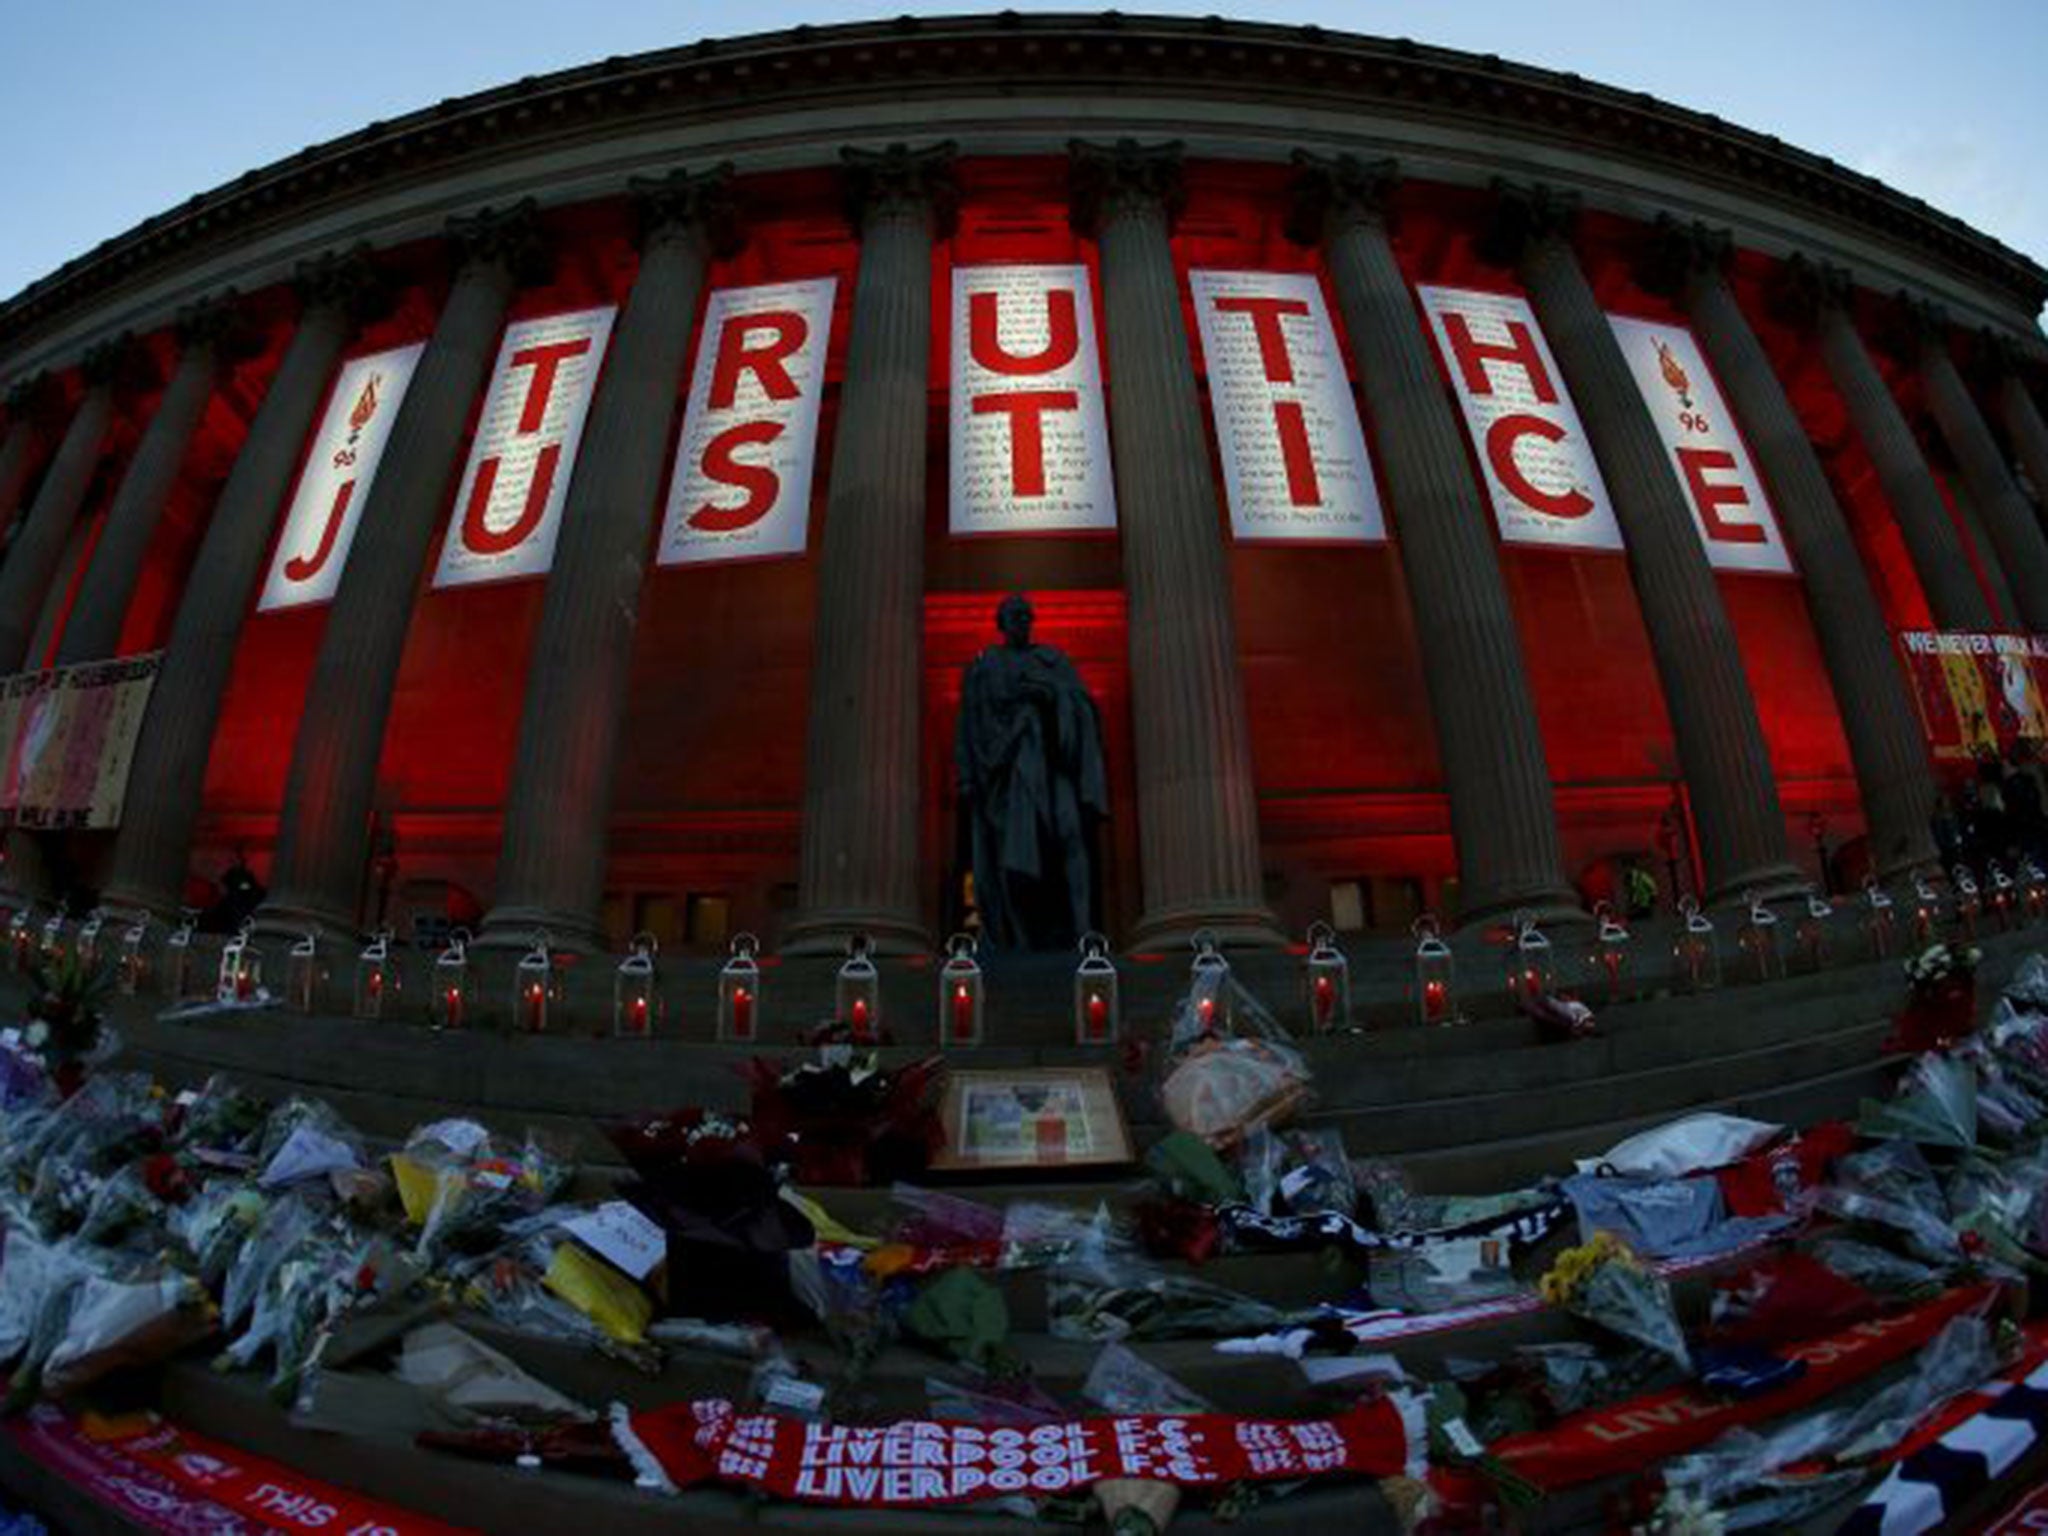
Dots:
(882, 61)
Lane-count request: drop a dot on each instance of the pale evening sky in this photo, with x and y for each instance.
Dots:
(115, 110)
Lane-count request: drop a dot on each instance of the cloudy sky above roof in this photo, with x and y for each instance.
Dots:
(110, 113)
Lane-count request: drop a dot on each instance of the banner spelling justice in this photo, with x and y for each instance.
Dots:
(1294, 459)
(313, 546)
(1030, 443)
(1539, 467)
(742, 484)
(510, 506)
(1707, 453)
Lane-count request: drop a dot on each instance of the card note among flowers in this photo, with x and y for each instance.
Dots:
(1064, 1117)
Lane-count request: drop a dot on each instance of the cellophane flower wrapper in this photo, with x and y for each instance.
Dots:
(1936, 1106)
(1635, 1304)
(1297, 1171)
(1229, 1068)
(1111, 1295)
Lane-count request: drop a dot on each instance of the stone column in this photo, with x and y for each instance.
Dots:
(1893, 776)
(29, 404)
(93, 630)
(2014, 529)
(38, 548)
(1503, 819)
(1953, 595)
(2023, 422)
(551, 872)
(323, 834)
(1713, 715)
(154, 842)
(861, 790)
(1198, 817)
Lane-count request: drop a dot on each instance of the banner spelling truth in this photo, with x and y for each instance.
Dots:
(1294, 459)
(1708, 455)
(1977, 693)
(1029, 439)
(918, 1462)
(742, 483)
(510, 506)
(69, 737)
(1540, 473)
(313, 545)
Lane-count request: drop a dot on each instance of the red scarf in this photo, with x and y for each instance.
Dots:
(919, 1462)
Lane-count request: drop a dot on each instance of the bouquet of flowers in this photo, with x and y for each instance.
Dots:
(1942, 1005)
(1604, 1282)
(64, 1030)
(844, 1119)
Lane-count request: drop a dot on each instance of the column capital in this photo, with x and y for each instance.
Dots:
(1804, 288)
(900, 180)
(37, 397)
(1679, 251)
(1329, 189)
(121, 363)
(1922, 322)
(1104, 179)
(688, 204)
(218, 324)
(348, 281)
(509, 238)
(1525, 215)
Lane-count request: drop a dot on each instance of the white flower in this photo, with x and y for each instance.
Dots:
(36, 1036)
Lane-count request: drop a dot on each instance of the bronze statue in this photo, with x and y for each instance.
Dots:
(1029, 755)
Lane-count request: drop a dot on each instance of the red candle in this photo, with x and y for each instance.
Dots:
(742, 1014)
(639, 1015)
(860, 1018)
(1433, 999)
(455, 1005)
(1326, 1000)
(1208, 1011)
(963, 1011)
(376, 985)
(536, 1013)
(1098, 1016)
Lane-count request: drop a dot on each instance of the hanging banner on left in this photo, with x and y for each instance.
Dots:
(1294, 462)
(510, 507)
(69, 738)
(313, 545)
(1707, 452)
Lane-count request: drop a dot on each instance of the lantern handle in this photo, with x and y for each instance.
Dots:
(1426, 927)
(961, 946)
(458, 944)
(1321, 935)
(745, 945)
(645, 943)
(308, 946)
(1760, 916)
(1093, 946)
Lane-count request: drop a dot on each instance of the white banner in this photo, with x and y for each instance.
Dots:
(742, 484)
(510, 507)
(1029, 441)
(1294, 460)
(313, 545)
(1539, 467)
(1707, 452)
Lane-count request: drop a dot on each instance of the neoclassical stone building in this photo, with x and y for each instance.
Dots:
(580, 499)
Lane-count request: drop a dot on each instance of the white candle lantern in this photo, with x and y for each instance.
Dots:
(1697, 953)
(1812, 933)
(1096, 1020)
(1610, 947)
(537, 988)
(1210, 978)
(21, 938)
(2033, 889)
(1926, 910)
(857, 991)
(448, 1007)
(377, 979)
(1758, 937)
(960, 993)
(1877, 918)
(303, 974)
(132, 970)
(636, 989)
(1436, 974)
(1967, 903)
(89, 938)
(1529, 973)
(739, 992)
(1326, 979)
(53, 940)
(178, 959)
(2002, 898)
(241, 967)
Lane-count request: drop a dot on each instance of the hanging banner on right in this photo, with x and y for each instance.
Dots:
(1978, 694)
(1721, 485)
(1540, 472)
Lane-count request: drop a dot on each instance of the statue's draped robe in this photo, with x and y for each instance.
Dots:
(1029, 753)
